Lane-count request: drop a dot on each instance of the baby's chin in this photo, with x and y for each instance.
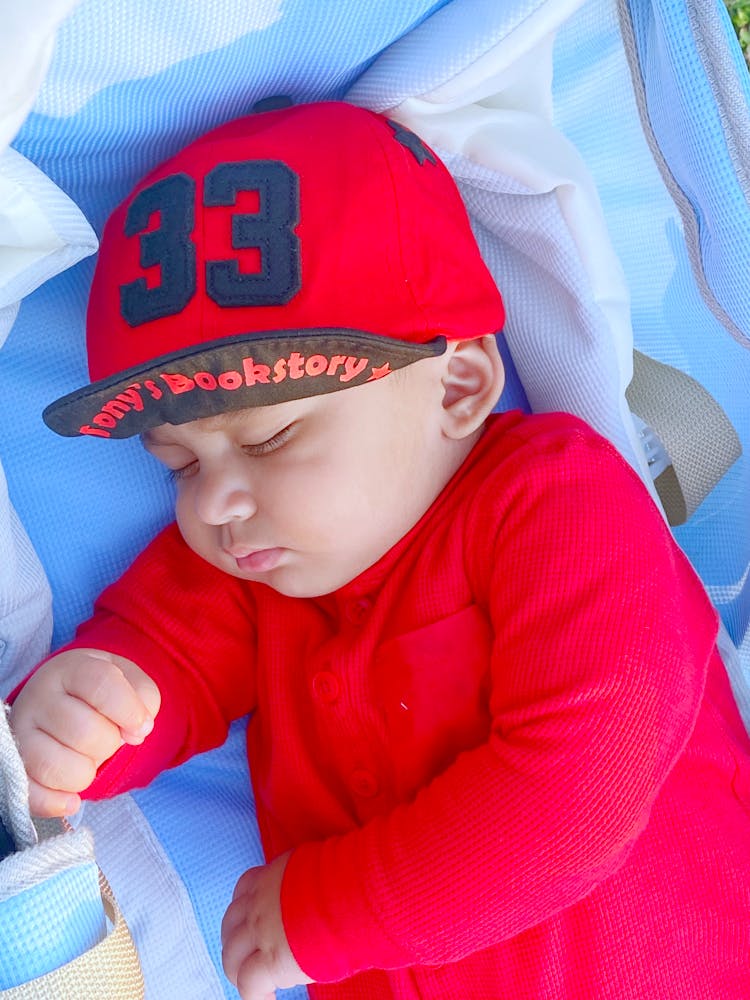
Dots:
(301, 585)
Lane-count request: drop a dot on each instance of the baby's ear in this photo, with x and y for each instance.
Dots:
(473, 380)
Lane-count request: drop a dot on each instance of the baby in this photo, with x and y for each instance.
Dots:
(493, 748)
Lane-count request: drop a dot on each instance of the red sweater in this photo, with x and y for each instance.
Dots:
(507, 754)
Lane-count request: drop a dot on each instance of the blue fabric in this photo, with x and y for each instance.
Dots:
(50, 924)
(595, 107)
(183, 806)
(686, 115)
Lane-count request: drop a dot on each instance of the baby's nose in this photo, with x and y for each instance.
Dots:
(225, 497)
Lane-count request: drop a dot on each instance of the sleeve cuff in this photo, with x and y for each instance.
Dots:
(331, 929)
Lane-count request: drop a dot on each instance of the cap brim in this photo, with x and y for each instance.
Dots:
(231, 373)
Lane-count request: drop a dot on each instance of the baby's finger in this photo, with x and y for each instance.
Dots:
(236, 927)
(54, 766)
(253, 980)
(80, 727)
(100, 681)
(238, 940)
(48, 802)
(146, 690)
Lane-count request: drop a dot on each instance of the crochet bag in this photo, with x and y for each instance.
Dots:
(62, 933)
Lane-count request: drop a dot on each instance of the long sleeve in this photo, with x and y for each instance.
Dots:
(191, 629)
(602, 641)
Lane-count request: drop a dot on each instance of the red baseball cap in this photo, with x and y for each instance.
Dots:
(295, 251)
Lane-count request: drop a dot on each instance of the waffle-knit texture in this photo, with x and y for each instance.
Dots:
(507, 754)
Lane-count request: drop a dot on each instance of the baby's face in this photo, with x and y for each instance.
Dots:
(305, 495)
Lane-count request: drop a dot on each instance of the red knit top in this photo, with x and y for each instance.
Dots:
(507, 755)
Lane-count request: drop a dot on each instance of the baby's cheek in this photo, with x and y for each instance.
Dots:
(203, 539)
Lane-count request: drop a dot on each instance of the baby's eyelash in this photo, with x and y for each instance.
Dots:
(270, 445)
(262, 448)
(174, 475)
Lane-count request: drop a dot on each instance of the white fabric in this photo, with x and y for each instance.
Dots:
(41, 234)
(14, 788)
(537, 216)
(450, 57)
(739, 675)
(41, 230)
(153, 898)
(26, 45)
(25, 599)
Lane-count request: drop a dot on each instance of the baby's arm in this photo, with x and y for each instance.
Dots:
(603, 638)
(191, 628)
(74, 713)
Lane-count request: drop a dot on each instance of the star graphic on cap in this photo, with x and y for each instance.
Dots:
(412, 142)
(380, 372)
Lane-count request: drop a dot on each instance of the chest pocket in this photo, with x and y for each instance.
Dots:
(432, 688)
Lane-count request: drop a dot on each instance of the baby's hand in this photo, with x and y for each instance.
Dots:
(256, 954)
(72, 715)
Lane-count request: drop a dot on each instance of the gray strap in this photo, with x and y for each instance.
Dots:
(696, 435)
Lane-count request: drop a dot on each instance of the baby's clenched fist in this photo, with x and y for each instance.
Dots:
(73, 713)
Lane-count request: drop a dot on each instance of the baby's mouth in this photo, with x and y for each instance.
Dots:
(256, 560)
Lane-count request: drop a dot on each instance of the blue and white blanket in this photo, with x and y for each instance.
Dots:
(602, 149)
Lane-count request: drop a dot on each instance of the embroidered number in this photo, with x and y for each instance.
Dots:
(170, 245)
(270, 229)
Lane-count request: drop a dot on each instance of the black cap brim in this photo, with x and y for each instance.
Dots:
(231, 373)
